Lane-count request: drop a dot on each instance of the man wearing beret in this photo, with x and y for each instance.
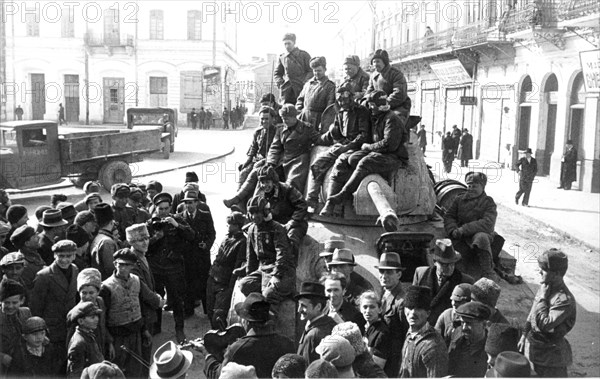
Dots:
(470, 223)
(552, 316)
(291, 147)
(106, 243)
(356, 78)
(261, 141)
(350, 129)
(293, 70)
(124, 215)
(28, 242)
(55, 293)
(317, 94)
(391, 81)
(384, 153)
(170, 237)
(467, 344)
(424, 354)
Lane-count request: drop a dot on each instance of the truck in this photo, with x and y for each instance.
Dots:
(150, 118)
(35, 153)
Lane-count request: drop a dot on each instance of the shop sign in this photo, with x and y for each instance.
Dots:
(468, 100)
(590, 64)
(451, 73)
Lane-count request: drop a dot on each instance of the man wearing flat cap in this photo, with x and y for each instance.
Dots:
(83, 349)
(383, 154)
(467, 345)
(89, 188)
(317, 94)
(261, 347)
(293, 70)
(355, 77)
(470, 222)
(28, 242)
(441, 278)
(391, 81)
(261, 141)
(552, 316)
(123, 214)
(351, 128)
(424, 354)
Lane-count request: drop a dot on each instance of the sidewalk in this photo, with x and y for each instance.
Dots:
(572, 212)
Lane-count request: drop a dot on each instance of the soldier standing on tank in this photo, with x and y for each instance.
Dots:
(384, 155)
(293, 70)
(317, 94)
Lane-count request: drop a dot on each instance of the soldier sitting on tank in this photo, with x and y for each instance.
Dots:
(268, 100)
(270, 266)
(261, 142)
(351, 128)
(470, 223)
(343, 262)
(384, 155)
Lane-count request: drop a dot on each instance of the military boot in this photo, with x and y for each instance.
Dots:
(349, 188)
(334, 189)
(312, 196)
(487, 265)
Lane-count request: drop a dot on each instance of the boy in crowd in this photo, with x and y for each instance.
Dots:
(12, 316)
(83, 348)
(35, 357)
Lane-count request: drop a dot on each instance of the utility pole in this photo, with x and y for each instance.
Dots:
(373, 8)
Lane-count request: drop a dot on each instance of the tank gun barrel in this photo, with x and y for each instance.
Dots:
(387, 216)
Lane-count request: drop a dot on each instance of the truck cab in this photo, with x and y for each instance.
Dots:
(165, 118)
(29, 154)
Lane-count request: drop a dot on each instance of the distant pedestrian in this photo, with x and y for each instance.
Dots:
(208, 122)
(527, 167)
(448, 152)
(422, 137)
(202, 118)
(568, 167)
(18, 113)
(194, 118)
(225, 118)
(465, 148)
(61, 115)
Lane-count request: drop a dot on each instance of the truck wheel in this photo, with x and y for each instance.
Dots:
(114, 172)
(167, 148)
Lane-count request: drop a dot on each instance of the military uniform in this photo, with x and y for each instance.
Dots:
(358, 83)
(291, 149)
(261, 142)
(316, 95)
(393, 83)
(293, 70)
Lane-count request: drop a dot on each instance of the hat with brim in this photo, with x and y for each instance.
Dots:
(311, 290)
(510, 364)
(342, 257)
(161, 197)
(170, 361)
(474, 311)
(444, 252)
(52, 218)
(83, 309)
(254, 308)
(329, 247)
(190, 196)
(390, 261)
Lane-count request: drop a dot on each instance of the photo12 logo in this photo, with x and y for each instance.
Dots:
(271, 11)
(56, 11)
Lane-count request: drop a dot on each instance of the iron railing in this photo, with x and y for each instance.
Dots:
(92, 39)
(571, 9)
(534, 14)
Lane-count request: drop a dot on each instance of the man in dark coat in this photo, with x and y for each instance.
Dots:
(552, 316)
(311, 304)
(221, 281)
(340, 309)
(124, 215)
(293, 70)
(448, 151)
(568, 167)
(83, 349)
(194, 118)
(18, 113)
(422, 138)
(470, 223)
(384, 155)
(208, 121)
(350, 129)
(527, 167)
(465, 150)
(197, 257)
(316, 95)
(202, 118)
(355, 77)
(225, 118)
(391, 81)
(456, 134)
(441, 278)
(261, 347)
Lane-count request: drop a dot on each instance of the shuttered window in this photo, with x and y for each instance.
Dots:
(194, 25)
(156, 24)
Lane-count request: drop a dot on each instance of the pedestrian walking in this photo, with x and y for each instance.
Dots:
(568, 166)
(61, 115)
(465, 148)
(527, 168)
(448, 152)
(18, 113)
(194, 118)
(422, 138)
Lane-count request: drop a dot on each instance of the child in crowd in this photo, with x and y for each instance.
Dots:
(12, 317)
(83, 349)
(35, 357)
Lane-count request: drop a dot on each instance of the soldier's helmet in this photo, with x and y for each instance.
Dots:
(259, 204)
(268, 173)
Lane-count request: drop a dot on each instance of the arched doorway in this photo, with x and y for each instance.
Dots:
(548, 123)
(576, 113)
(526, 96)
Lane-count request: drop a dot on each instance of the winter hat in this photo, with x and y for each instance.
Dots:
(353, 60)
(154, 185)
(103, 213)
(84, 217)
(321, 369)
(136, 231)
(381, 54)
(553, 260)
(91, 196)
(89, 277)
(291, 365)
(418, 297)
(15, 213)
(378, 97)
(102, 370)
(486, 291)
(120, 190)
(318, 62)
(91, 186)
(78, 235)
(351, 332)
(289, 37)
(234, 370)
(236, 218)
(21, 235)
(337, 350)
(10, 288)
(288, 110)
(191, 176)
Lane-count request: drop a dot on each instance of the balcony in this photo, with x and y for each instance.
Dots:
(109, 43)
(579, 14)
(531, 16)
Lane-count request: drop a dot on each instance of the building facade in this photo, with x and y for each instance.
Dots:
(509, 71)
(99, 58)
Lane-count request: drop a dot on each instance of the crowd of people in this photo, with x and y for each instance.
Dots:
(203, 119)
(84, 292)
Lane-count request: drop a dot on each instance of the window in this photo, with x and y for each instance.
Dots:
(32, 24)
(156, 24)
(114, 95)
(35, 137)
(158, 91)
(194, 25)
(67, 27)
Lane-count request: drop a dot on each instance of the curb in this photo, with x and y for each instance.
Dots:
(69, 185)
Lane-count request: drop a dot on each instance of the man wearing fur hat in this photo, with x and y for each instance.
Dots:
(28, 241)
(384, 155)
(355, 77)
(391, 81)
(467, 345)
(105, 244)
(231, 256)
(470, 223)
(442, 278)
(552, 316)
(55, 293)
(424, 354)
(350, 129)
(317, 94)
(487, 292)
(293, 70)
(123, 214)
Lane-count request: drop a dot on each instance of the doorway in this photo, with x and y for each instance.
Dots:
(72, 98)
(38, 96)
(114, 100)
